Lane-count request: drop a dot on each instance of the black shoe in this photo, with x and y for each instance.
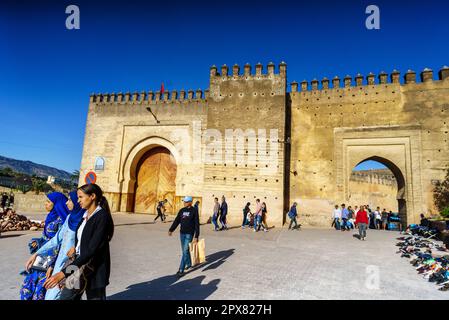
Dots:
(180, 274)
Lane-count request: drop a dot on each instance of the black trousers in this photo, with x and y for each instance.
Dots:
(94, 294)
(160, 214)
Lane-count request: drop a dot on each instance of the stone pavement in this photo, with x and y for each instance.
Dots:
(241, 264)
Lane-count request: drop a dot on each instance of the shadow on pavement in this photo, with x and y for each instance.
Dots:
(173, 288)
(10, 236)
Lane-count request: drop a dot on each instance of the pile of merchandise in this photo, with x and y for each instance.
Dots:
(17, 222)
(430, 259)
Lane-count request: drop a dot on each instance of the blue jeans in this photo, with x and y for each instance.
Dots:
(257, 221)
(337, 223)
(245, 221)
(223, 221)
(185, 259)
(344, 224)
(214, 221)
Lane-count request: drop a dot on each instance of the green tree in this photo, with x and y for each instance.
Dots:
(75, 176)
(7, 172)
(441, 195)
(38, 184)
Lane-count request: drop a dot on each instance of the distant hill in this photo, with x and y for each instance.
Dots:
(31, 168)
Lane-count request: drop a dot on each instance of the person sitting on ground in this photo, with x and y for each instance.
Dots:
(424, 221)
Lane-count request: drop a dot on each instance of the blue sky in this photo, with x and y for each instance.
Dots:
(48, 72)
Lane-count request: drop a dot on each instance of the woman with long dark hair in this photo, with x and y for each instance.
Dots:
(93, 235)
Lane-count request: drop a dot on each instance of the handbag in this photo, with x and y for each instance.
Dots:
(42, 263)
(76, 283)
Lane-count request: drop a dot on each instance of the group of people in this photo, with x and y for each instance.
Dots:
(347, 218)
(7, 201)
(219, 214)
(256, 219)
(76, 236)
(344, 218)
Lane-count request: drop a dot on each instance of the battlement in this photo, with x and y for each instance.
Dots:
(247, 72)
(409, 78)
(150, 97)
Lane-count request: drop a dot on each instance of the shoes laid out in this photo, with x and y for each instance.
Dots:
(419, 248)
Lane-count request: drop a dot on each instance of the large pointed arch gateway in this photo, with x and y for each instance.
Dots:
(149, 174)
(155, 180)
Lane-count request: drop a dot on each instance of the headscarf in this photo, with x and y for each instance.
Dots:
(77, 213)
(59, 210)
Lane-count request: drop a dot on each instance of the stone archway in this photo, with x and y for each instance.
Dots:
(398, 147)
(400, 181)
(131, 164)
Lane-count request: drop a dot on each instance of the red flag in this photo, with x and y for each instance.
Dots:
(162, 88)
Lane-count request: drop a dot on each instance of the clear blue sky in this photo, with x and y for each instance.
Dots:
(47, 72)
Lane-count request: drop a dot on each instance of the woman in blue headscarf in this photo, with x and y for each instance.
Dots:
(64, 240)
(32, 287)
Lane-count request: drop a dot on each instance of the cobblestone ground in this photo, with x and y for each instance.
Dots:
(241, 264)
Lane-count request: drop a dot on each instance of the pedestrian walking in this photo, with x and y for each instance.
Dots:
(292, 214)
(189, 220)
(257, 215)
(246, 213)
(362, 222)
(223, 213)
(91, 248)
(344, 218)
(215, 214)
(336, 216)
(263, 221)
(161, 210)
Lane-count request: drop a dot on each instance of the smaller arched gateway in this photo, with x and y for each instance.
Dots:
(400, 184)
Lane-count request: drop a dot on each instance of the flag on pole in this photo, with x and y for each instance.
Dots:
(162, 88)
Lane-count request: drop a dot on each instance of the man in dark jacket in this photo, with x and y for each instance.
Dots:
(190, 230)
(223, 213)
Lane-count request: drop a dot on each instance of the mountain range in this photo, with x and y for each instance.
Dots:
(31, 168)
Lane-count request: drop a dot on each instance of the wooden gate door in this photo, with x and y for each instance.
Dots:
(156, 176)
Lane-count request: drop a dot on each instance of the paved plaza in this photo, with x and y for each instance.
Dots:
(241, 264)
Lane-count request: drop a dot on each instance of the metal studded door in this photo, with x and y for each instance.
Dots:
(156, 176)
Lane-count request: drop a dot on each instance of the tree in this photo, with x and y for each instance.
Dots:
(7, 172)
(75, 177)
(441, 194)
(38, 184)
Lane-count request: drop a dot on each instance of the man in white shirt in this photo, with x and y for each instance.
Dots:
(378, 218)
(336, 215)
